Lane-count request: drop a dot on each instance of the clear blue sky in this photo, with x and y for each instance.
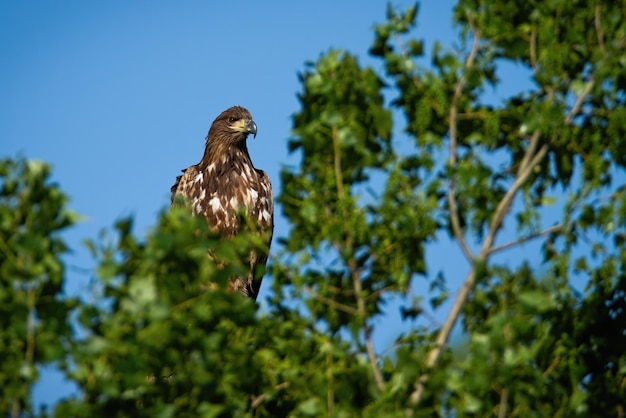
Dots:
(119, 95)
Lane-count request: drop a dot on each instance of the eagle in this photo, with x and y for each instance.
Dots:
(225, 184)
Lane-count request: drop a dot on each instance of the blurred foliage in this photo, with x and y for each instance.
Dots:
(33, 313)
(365, 203)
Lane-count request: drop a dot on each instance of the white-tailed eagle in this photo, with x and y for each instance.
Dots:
(225, 184)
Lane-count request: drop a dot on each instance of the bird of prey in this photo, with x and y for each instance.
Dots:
(225, 184)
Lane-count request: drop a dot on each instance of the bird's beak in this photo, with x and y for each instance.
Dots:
(244, 125)
(251, 127)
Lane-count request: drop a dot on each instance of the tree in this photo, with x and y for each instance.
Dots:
(365, 204)
(35, 325)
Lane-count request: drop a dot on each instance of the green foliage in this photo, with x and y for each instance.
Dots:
(344, 135)
(33, 316)
(161, 344)
(162, 337)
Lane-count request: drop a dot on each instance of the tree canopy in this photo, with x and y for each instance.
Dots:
(393, 158)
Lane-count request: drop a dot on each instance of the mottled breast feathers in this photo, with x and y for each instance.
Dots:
(225, 182)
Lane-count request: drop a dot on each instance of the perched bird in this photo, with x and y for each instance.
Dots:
(225, 184)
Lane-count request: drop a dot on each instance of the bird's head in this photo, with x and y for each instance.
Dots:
(232, 126)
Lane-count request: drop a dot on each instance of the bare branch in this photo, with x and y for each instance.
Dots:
(507, 200)
(527, 238)
(532, 145)
(442, 337)
(454, 214)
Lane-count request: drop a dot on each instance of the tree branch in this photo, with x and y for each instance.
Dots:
(598, 26)
(354, 272)
(468, 284)
(258, 400)
(507, 200)
(446, 329)
(532, 145)
(504, 395)
(442, 337)
(579, 101)
(337, 163)
(533, 48)
(533, 156)
(330, 393)
(367, 331)
(527, 238)
(330, 302)
(501, 211)
(452, 121)
(405, 55)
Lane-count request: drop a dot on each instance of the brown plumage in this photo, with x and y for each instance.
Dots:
(224, 183)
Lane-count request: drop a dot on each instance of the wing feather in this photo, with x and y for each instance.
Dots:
(265, 210)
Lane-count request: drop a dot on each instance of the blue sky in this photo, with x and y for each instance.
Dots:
(118, 96)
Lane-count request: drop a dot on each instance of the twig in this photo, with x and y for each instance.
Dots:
(522, 240)
(367, 331)
(555, 362)
(584, 238)
(598, 27)
(330, 302)
(507, 200)
(330, 393)
(258, 400)
(30, 330)
(442, 336)
(532, 145)
(504, 395)
(579, 101)
(8, 253)
(470, 116)
(29, 355)
(533, 48)
(337, 163)
(405, 55)
(454, 215)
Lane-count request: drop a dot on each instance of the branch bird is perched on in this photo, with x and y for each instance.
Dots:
(225, 183)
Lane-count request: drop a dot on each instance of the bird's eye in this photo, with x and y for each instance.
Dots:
(232, 120)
